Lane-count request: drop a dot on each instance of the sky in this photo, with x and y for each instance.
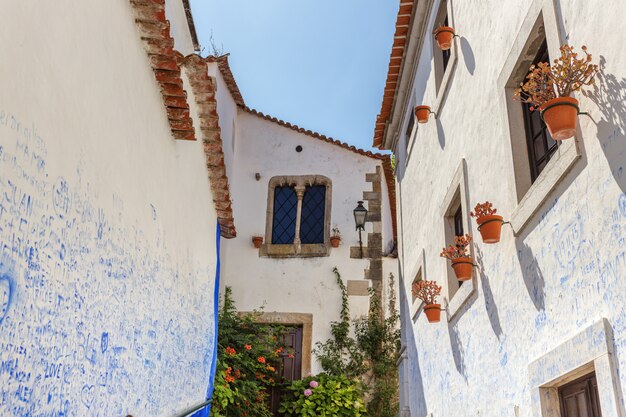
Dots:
(320, 64)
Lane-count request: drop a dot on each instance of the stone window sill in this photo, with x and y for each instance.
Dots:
(460, 297)
(567, 154)
(295, 250)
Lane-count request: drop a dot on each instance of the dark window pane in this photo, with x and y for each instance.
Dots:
(409, 128)
(284, 223)
(312, 221)
(458, 222)
(540, 144)
(445, 54)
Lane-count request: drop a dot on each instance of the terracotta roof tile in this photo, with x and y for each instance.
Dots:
(229, 78)
(166, 63)
(204, 88)
(397, 55)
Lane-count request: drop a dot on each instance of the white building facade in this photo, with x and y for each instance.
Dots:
(109, 206)
(540, 330)
(292, 187)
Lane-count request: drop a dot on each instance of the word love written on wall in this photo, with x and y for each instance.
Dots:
(81, 330)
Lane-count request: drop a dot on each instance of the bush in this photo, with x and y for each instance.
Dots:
(324, 396)
(247, 360)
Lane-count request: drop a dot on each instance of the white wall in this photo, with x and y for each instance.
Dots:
(107, 229)
(179, 27)
(293, 285)
(564, 271)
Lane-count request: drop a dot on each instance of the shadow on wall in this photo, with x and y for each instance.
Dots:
(490, 305)
(417, 399)
(533, 277)
(441, 135)
(609, 94)
(468, 56)
(458, 353)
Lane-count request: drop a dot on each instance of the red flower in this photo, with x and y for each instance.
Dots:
(261, 359)
(248, 347)
(230, 351)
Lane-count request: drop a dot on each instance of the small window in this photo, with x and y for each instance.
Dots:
(409, 129)
(298, 222)
(441, 58)
(580, 398)
(313, 210)
(285, 210)
(540, 144)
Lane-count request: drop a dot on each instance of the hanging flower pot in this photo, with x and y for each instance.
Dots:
(560, 115)
(489, 223)
(422, 113)
(433, 312)
(463, 268)
(444, 36)
(462, 263)
(427, 291)
(548, 88)
(335, 238)
(257, 241)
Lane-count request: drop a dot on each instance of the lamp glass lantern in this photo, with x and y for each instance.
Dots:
(360, 213)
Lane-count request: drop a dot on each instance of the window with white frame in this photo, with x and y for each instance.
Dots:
(298, 216)
(539, 162)
(444, 62)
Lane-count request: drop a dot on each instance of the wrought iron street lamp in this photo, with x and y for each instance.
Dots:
(360, 213)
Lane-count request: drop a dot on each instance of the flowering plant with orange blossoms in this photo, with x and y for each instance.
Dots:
(567, 74)
(459, 249)
(427, 291)
(483, 209)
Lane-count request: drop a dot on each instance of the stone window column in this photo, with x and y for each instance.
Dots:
(300, 194)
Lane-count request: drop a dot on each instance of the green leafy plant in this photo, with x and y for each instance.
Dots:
(324, 396)
(248, 356)
(567, 74)
(370, 356)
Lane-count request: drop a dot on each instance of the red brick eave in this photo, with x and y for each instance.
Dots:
(385, 158)
(229, 78)
(395, 63)
(166, 64)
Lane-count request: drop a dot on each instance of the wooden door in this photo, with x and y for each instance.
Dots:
(290, 366)
(580, 398)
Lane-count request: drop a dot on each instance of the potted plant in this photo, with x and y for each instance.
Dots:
(335, 238)
(427, 291)
(257, 241)
(548, 89)
(421, 113)
(462, 263)
(444, 36)
(489, 223)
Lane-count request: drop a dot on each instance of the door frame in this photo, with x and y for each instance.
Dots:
(305, 320)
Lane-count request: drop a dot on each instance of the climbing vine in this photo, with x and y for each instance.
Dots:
(370, 355)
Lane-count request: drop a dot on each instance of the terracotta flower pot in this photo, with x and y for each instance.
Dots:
(463, 268)
(334, 241)
(490, 228)
(422, 113)
(444, 36)
(433, 312)
(560, 115)
(257, 241)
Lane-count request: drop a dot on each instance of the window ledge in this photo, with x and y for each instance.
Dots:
(295, 250)
(460, 297)
(568, 153)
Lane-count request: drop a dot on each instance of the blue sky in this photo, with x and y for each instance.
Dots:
(320, 64)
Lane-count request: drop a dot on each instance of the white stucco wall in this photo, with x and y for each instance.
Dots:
(293, 285)
(179, 27)
(107, 228)
(564, 271)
